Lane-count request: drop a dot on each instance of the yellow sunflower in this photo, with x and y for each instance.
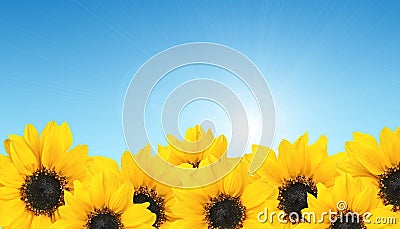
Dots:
(230, 203)
(378, 163)
(38, 171)
(101, 164)
(350, 203)
(199, 148)
(296, 172)
(105, 202)
(146, 189)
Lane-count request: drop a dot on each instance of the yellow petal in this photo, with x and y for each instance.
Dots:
(256, 193)
(9, 175)
(218, 147)
(66, 136)
(326, 172)
(189, 223)
(317, 152)
(10, 210)
(287, 157)
(387, 147)
(7, 193)
(70, 163)
(7, 146)
(122, 198)
(138, 215)
(82, 196)
(366, 156)
(272, 172)
(62, 224)
(52, 146)
(235, 181)
(194, 134)
(24, 221)
(97, 190)
(40, 222)
(130, 170)
(72, 212)
(23, 158)
(31, 136)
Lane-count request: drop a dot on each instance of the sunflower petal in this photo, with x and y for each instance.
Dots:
(10, 210)
(23, 158)
(40, 222)
(138, 215)
(31, 136)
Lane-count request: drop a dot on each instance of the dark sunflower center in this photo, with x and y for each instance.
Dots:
(156, 206)
(293, 196)
(43, 192)
(346, 225)
(195, 164)
(225, 212)
(103, 219)
(390, 187)
(347, 222)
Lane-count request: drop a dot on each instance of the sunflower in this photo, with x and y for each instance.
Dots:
(350, 203)
(146, 189)
(199, 148)
(230, 203)
(296, 172)
(378, 163)
(105, 202)
(36, 174)
(101, 164)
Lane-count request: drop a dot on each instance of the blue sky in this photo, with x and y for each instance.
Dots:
(333, 66)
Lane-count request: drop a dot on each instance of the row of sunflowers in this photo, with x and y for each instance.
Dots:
(47, 183)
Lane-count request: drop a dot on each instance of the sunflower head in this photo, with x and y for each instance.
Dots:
(104, 202)
(147, 189)
(43, 192)
(230, 203)
(199, 148)
(380, 163)
(296, 171)
(351, 202)
(37, 172)
(225, 211)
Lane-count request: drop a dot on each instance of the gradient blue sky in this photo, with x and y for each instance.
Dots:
(332, 66)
